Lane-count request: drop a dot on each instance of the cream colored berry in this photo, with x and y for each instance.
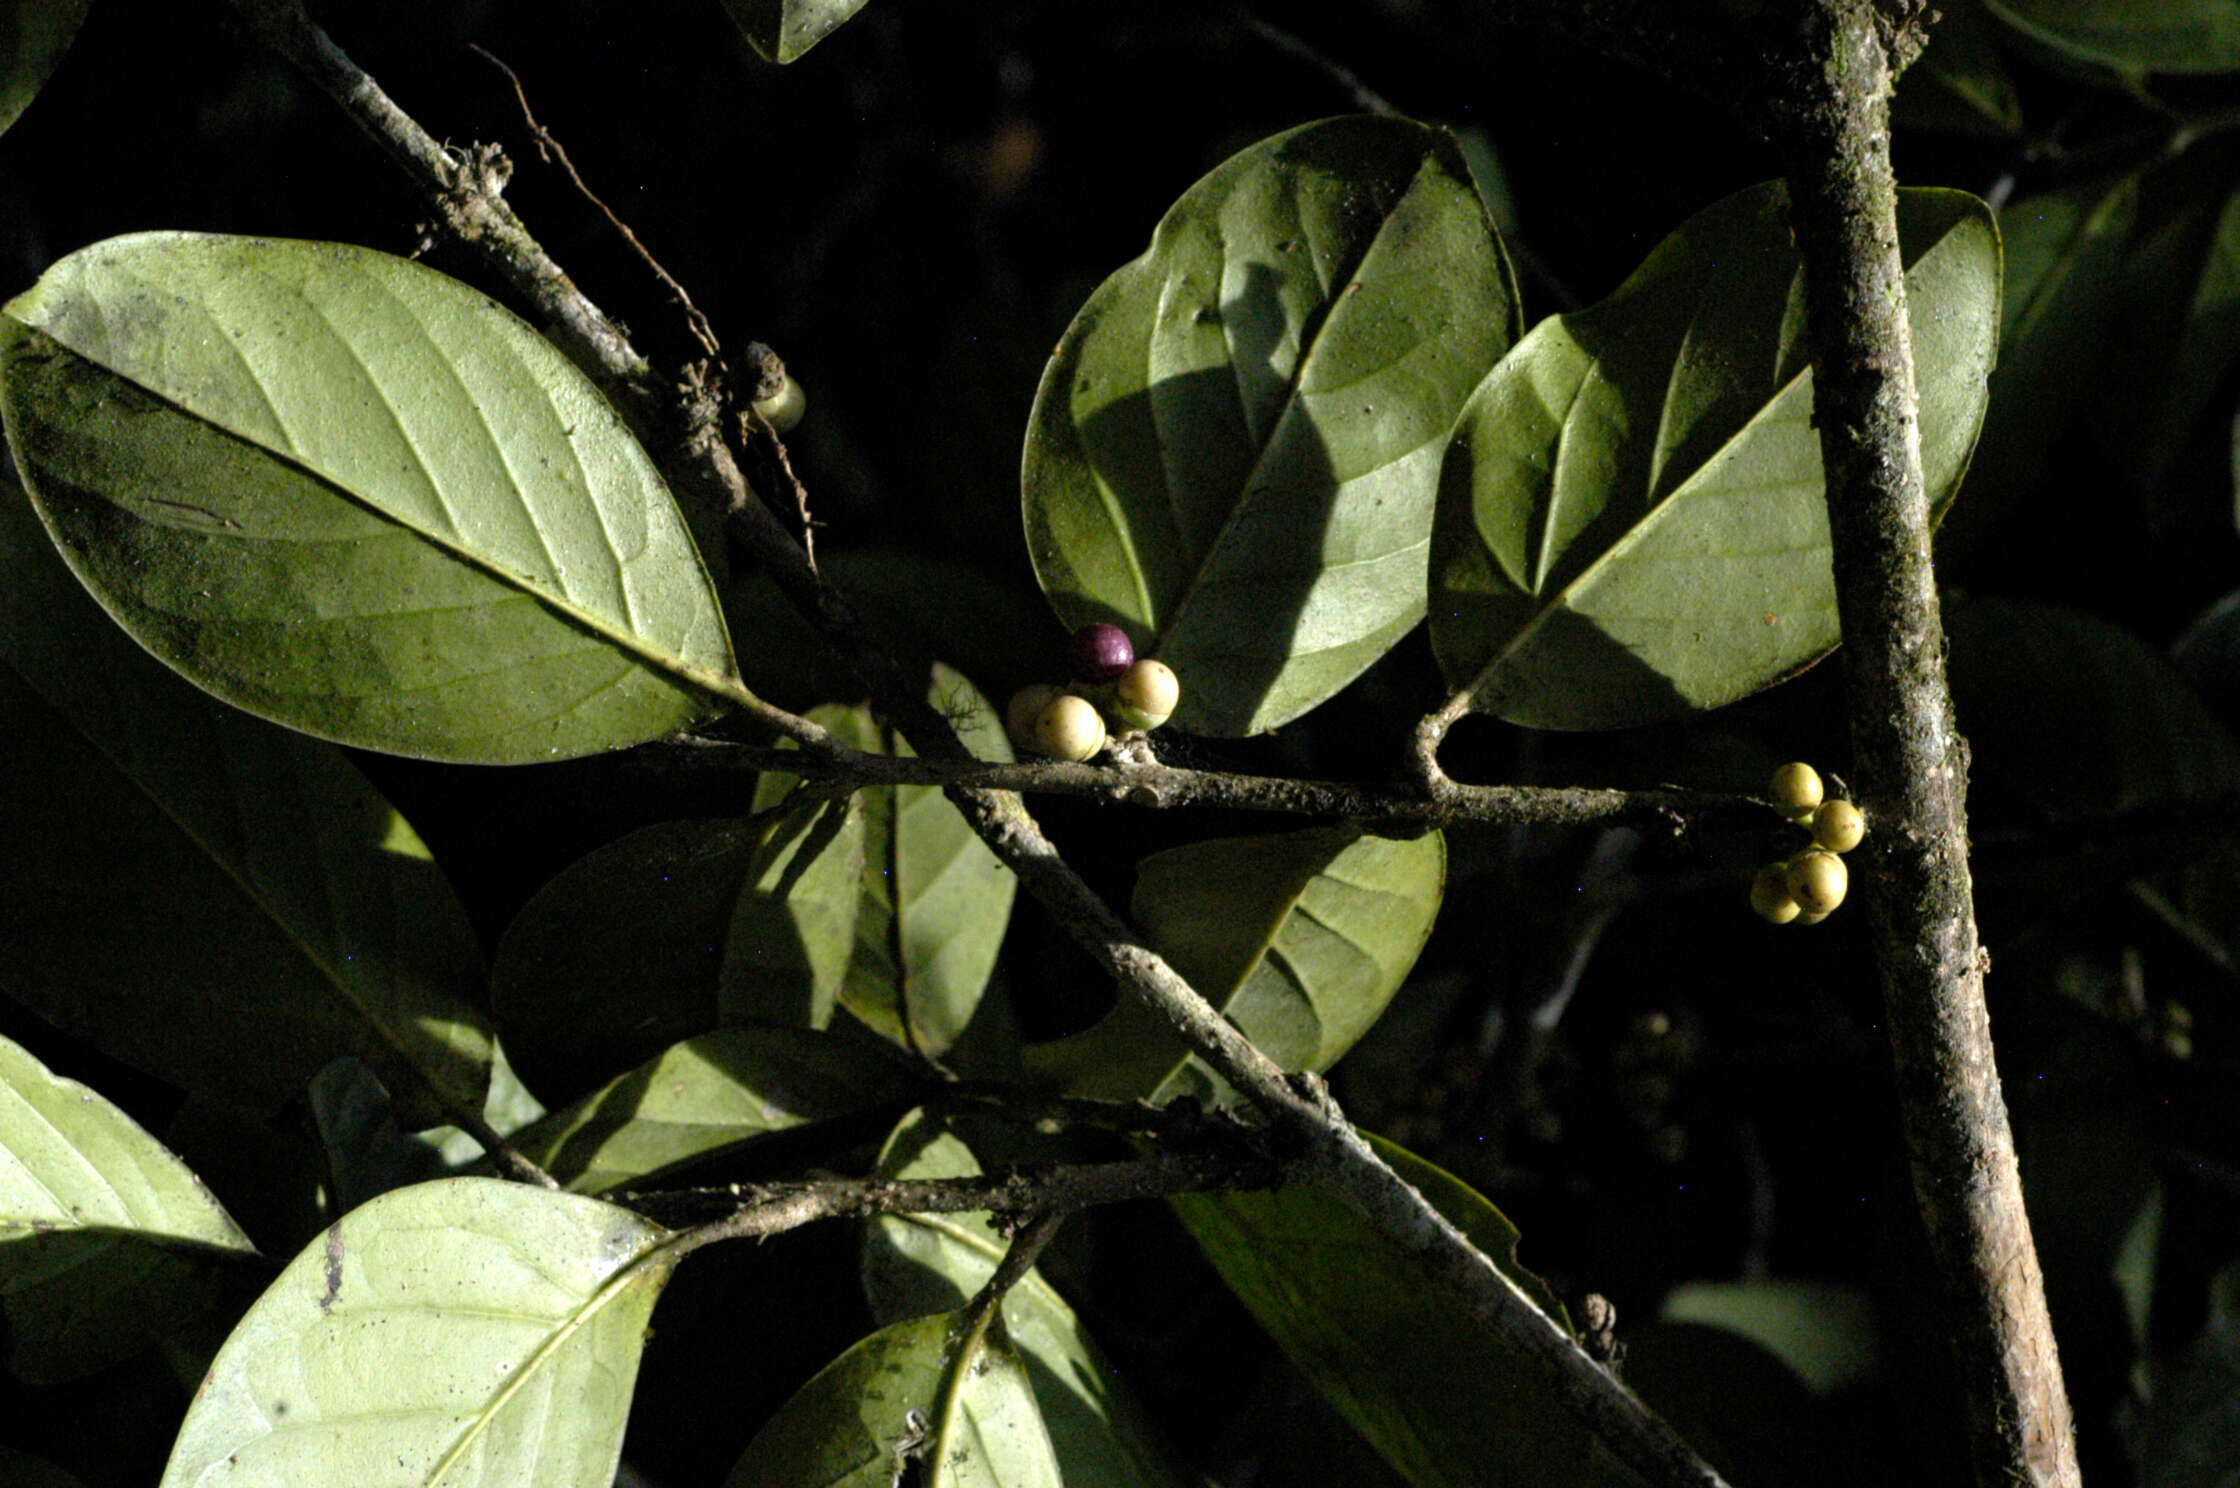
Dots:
(1770, 897)
(1144, 696)
(1069, 728)
(1838, 826)
(1796, 789)
(1025, 707)
(1818, 881)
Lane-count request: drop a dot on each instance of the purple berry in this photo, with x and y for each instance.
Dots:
(1101, 652)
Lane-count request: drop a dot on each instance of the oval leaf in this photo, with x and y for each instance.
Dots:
(936, 899)
(221, 903)
(707, 1095)
(793, 928)
(2184, 36)
(37, 33)
(1441, 1399)
(1631, 518)
(356, 497)
(1234, 451)
(106, 1239)
(462, 1333)
(914, 1264)
(891, 1401)
(781, 30)
(1300, 939)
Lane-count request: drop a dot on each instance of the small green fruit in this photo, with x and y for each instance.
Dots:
(1769, 895)
(1069, 728)
(1144, 696)
(1025, 707)
(1818, 881)
(1838, 826)
(785, 407)
(1796, 789)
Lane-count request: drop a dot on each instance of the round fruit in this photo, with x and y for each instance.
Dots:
(1796, 789)
(784, 407)
(1769, 895)
(1069, 728)
(1025, 707)
(1145, 694)
(1838, 826)
(1818, 881)
(1101, 652)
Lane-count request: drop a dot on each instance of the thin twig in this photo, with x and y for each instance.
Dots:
(1365, 98)
(1169, 786)
(549, 150)
(756, 1211)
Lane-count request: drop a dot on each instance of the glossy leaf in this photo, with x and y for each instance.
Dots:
(851, 1426)
(1824, 1331)
(1234, 451)
(706, 1095)
(936, 900)
(467, 1332)
(1444, 1402)
(2183, 36)
(1960, 84)
(622, 955)
(781, 30)
(1631, 520)
(106, 1239)
(793, 929)
(914, 1264)
(1299, 938)
(34, 34)
(2070, 719)
(2179, 291)
(2065, 251)
(346, 493)
(221, 903)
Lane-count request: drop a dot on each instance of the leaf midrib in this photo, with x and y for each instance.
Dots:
(1284, 416)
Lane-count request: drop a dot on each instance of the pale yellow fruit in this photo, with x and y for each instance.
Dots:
(1838, 826)
(1796, 789)
(1069, 728)
(1770, 897)
(1818, 881)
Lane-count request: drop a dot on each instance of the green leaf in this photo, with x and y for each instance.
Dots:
(2182, 36)
(1631, 520)
(1732, 1400)
(936, 899)
(622, 954)
(1959, 84)
(914, 1264)
(891, 1394)
(1300, 939)
(706, 1095)
(467, 1332)
(793, 929)
(2070, 719)
(1822, 1330)
(106, 1239)
(781, 30)
(2065, 251)
(346, 493)
(1442, 1400)
(1234, 451)
(2179, 294)
(33, 36)
(218, 902)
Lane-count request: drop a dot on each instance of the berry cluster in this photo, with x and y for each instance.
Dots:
(1112, 687)
(1807, 887)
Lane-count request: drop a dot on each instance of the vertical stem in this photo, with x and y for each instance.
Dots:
(1832, 120)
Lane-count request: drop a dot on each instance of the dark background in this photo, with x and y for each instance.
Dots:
(910, 216)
